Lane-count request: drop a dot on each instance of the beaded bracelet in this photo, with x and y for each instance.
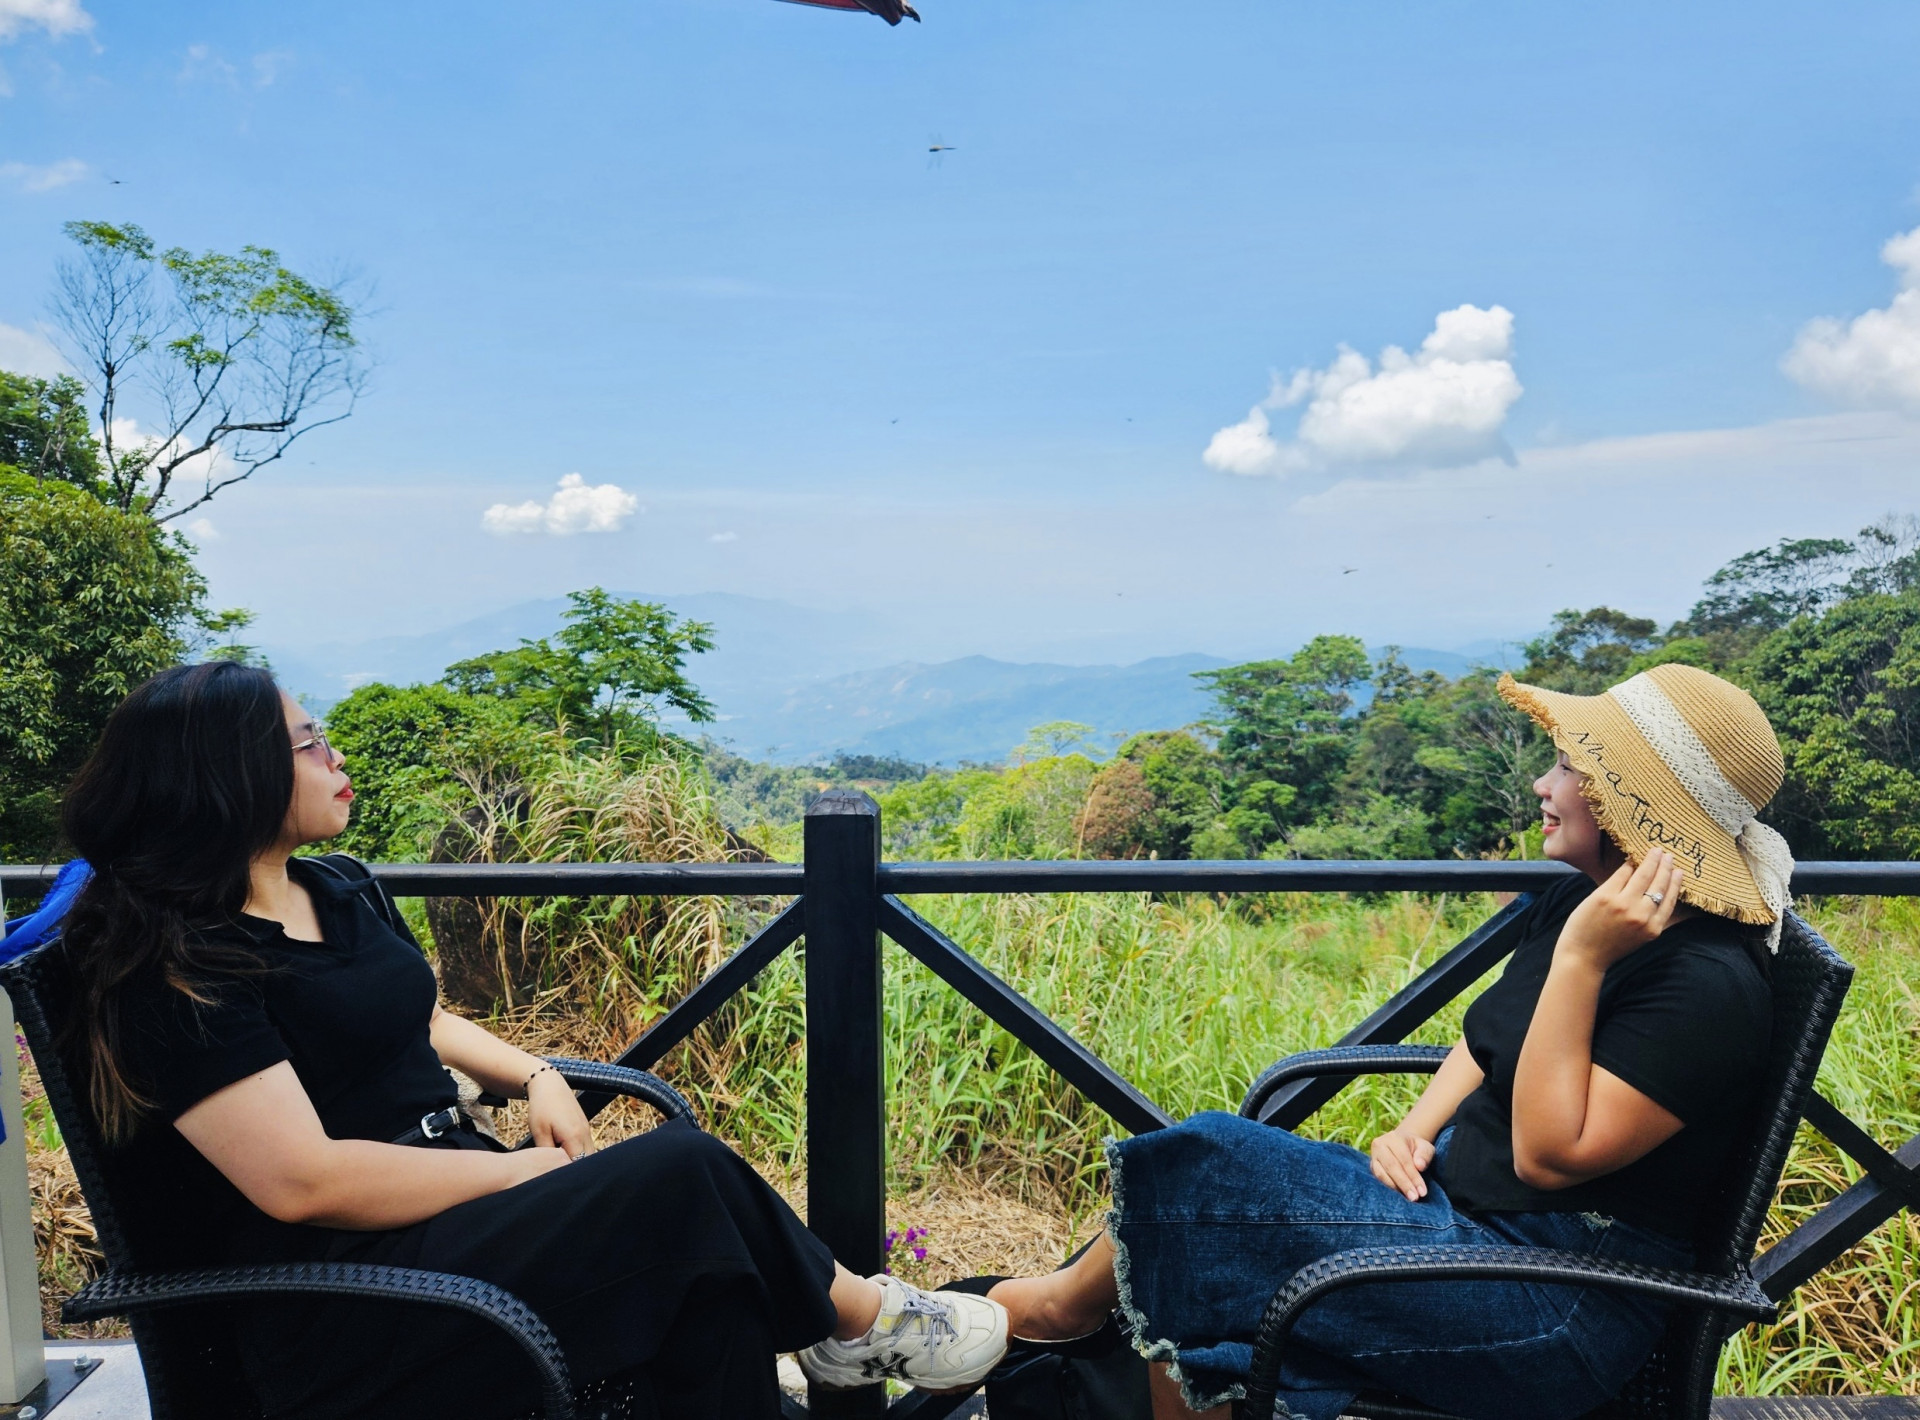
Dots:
(534, 1076)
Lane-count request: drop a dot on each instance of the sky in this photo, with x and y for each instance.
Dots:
(1218, 327)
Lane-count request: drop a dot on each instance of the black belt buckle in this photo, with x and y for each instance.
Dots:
(440, 1123)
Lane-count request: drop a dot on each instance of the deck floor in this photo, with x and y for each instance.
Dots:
(116, 1391)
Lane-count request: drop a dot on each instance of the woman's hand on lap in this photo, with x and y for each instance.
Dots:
(555, 1116)
(1400, 1158)
(1621, 915)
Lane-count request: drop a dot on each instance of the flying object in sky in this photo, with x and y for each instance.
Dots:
(892, 11)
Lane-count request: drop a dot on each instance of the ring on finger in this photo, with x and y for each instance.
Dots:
(1655, 898)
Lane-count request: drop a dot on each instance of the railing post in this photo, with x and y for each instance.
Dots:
(23, 1358)
(846, 1089)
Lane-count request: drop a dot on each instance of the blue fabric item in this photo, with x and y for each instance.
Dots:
(23, 934)
(1211, 1216)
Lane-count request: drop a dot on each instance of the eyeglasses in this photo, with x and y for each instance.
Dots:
(316, 740)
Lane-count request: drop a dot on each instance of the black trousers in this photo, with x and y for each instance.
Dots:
(664, 1258)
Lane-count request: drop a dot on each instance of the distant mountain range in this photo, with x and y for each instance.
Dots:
(779, 699)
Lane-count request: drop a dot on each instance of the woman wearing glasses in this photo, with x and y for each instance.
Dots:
(260, 1048)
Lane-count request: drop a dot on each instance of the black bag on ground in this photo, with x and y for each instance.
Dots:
(1044, 1385)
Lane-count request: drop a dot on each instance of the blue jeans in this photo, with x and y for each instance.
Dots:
(1211, 1216)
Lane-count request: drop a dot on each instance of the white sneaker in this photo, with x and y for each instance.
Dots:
(934, 1340)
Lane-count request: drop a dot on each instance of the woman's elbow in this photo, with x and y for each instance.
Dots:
(1542, 1174)
(294, 1196)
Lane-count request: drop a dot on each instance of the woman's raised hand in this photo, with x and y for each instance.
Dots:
(555, 1116)
(1400, 1158)
(1627, 911)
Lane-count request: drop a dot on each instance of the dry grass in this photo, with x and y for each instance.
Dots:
(63, 1235)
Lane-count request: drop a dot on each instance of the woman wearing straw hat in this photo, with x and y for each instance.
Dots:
(1588, 1106)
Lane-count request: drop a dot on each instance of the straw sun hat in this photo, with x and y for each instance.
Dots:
(1678, 759)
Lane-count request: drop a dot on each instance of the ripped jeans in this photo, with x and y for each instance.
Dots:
(1211, 1216)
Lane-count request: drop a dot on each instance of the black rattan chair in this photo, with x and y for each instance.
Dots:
(180, 1318)
(1809, 982)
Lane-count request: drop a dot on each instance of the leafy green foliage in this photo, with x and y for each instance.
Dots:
(1286, 729)
(614, 665)
(1769, 588)
(1587, 651)
(230, 623)
(407, 747)
(92, 602)
(44, 431)
(1843, 691)
(1031, 810)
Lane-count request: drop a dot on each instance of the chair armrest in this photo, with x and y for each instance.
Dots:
(123, 1293)
(1738, 1295)
(1342, 1060)
(619, 1080)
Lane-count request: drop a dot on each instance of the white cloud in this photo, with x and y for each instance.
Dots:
(575, 507)
(56, 17)
(203, 63)
(43, 177)
(1873, 362)
(1441, 406)
(28, 352)
(203, 530)
(725, 537)
(268, 66)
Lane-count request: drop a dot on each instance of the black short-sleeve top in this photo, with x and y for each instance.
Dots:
(1685, 1020)
(351, 1014)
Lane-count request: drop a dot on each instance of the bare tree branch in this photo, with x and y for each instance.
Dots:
(229, 358)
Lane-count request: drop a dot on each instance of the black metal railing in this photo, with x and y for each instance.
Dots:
(846, 899)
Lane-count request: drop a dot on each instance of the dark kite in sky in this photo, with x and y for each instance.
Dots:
(892, 11)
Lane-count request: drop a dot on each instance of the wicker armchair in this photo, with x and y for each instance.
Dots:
(192, 1367)
(1809, 982)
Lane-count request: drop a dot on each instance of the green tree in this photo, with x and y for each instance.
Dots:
(612, 669)
(92, 602)
(1286, 730)
(1379, 826)
(1031, 810)
(1764, 590)
(1160, 793)
(1843, 692)
(44, 431)
(226, 359)
(230, 623)
(1761, 591)
(405, 745)
(1584, 652)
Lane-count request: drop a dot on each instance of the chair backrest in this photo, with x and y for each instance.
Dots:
(190, 1370)
(1809, 982)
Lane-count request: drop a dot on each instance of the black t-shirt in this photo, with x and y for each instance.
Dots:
(350, 1012)
(1685, 1020)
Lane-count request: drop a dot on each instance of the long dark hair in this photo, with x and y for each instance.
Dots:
(192, 777)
